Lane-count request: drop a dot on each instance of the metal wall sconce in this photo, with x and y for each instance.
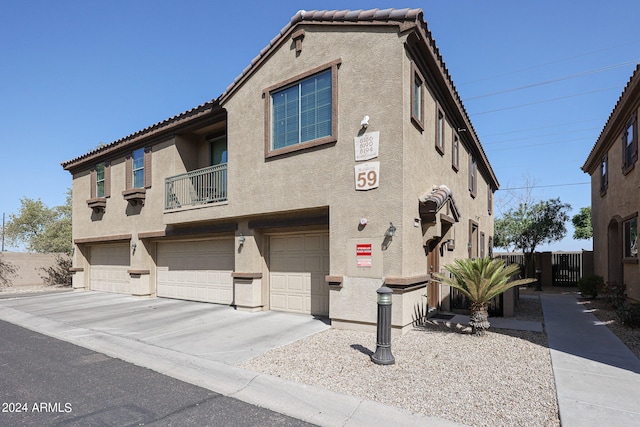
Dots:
(391, 231)
(241, 240)
(365, 122)
(133, 247)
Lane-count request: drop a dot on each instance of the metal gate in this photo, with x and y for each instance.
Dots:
(566, 268)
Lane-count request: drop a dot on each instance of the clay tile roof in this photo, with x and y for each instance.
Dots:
(634, 80)
(435, 199)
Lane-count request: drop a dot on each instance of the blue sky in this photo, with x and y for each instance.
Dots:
(74, 74)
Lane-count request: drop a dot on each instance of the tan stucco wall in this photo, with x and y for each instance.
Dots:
(621, 201)
(28, 267)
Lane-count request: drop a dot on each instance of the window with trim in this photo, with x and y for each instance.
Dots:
(100, 180)
(138, 168)
(630, 228)
(440, 130)
(630, 145)
(455, 152)
(138, 171)
(301, 111)
(473, 175)
(417, 97)
(489, 199)
(604, 175)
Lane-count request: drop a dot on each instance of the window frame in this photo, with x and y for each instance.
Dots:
(630, 146)
(267, 95)
(604, 174)
(455, 152)
(417, 117)
(627, 249)
(134, 169)
(473, 175)
(100, 190)
(441, 119)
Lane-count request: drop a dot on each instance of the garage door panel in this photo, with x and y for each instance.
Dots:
(109, 269)
(299, 264)
(199, 271)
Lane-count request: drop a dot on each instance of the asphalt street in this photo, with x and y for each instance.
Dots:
(48, 382)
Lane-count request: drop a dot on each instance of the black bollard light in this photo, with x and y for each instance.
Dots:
(538, 279)
(383, 355)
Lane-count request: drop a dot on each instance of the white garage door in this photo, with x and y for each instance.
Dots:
(108, 271)
(197, 270)
(298, 266)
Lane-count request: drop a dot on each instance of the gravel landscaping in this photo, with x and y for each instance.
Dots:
(502, 379)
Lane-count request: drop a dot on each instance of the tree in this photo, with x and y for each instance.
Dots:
(41, 228)
(480, 280)
(529, 225)
(582, 224)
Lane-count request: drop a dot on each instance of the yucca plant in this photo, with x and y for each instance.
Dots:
(480, 280)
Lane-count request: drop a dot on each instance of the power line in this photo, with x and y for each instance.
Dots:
(546, 82)
(490, 149)
(543, 101)
(536, 136)
(546, 64)
(541, 127)
(544, 186)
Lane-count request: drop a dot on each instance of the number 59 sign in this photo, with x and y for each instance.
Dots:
(367, 175)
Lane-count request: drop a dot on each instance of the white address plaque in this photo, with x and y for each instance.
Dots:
(367, 176)
(366, 146)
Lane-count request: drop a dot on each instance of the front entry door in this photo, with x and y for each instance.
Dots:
(433, 288)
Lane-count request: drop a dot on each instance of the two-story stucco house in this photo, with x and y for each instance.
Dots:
(340, 160)
(614, 192)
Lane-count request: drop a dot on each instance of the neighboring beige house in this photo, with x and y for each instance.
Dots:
(614, 192)
(339, 161)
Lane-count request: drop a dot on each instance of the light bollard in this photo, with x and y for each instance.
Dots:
(383, 355)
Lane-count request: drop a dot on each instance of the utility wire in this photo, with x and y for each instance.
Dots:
(546, 82)
(538, 145)
(541, 127)
(544, 101)
(546, 64)
(544, 186)
(536, 136)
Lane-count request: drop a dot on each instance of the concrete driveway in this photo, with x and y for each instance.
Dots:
(209, 331)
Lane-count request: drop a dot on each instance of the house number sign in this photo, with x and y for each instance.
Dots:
(366, 146)
(367, 176)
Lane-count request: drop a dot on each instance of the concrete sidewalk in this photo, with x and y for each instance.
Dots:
(201, 344)
(597, 376)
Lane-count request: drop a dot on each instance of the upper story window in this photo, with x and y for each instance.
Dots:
(440, 131)
(302, 111)
(138, 168)
(218, 149)
(417, 97)
(473, 175)
(455, 152)
(631, 238)
(100, 180)
(630, 145)
(489, 200)
(604, 175)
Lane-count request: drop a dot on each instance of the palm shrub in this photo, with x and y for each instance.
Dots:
(480, 280)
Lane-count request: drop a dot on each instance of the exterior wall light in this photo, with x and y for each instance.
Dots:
(241, 239)
(133, 247)
(391, 231)
(365, 122)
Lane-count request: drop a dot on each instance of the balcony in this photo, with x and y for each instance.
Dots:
(208, 185)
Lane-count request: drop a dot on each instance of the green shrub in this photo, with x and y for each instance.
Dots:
(629, 315)
(590, 285)
(614, 294)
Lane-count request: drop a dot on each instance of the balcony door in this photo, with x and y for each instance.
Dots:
(218, 150)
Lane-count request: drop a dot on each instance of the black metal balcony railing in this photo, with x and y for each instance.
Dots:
(206, 185)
